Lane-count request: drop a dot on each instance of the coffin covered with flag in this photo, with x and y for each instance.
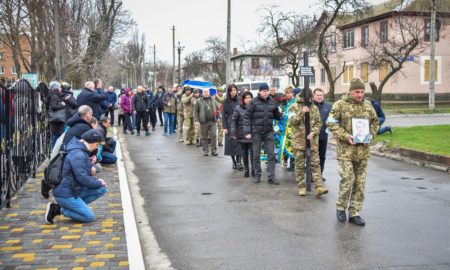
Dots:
(201, 85)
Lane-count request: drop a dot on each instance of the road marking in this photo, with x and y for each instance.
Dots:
(155, 258)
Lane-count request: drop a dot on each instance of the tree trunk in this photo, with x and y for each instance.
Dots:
(376, 92)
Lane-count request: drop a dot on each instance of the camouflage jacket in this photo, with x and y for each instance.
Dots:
(297, 125)
(340, 123)
(188, 106)
(180, 104)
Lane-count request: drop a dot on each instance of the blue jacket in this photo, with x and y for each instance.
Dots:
(151, 103)
(377, 108)
(324, 109)
(76, 172)
(104, 105)
(111, 98)
(93, 100)
(77, 127)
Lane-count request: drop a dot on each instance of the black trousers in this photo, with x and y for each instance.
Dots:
(108, 112)
(152, 116)
(258, 140)
(121, 119)
(160, 115)
(247, 153)
(322, 153)
(141, 117)
(127, 122)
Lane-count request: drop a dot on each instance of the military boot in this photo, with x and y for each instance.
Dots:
(357, 220)
(197, 142)
(320, 190)
(302, 191)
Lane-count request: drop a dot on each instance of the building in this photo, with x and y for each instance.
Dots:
(381, 26)
(8, 70)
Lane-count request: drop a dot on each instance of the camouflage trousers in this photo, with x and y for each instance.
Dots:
(189, 123)
(219, 132)
(300, 168)
(351, 188)
(180, 120)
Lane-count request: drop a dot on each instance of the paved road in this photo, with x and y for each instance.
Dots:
(417, 120)
(207, 216)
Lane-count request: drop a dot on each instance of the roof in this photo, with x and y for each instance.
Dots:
(243, 55)
(388, 8)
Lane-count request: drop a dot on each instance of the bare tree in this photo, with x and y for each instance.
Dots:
(327, 36)
(216, 51)
(291, 33)
(194, 65)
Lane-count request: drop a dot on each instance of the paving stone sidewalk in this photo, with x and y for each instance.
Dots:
(27, 242)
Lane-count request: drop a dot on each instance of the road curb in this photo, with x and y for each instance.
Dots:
(135, 255)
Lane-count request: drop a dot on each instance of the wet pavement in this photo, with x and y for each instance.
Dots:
(205, 215)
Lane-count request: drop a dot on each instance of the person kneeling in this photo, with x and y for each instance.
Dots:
(79, 187)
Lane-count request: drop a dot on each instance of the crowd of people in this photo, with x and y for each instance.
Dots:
(240, 122)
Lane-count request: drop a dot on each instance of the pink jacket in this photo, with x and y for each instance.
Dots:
(125, 101)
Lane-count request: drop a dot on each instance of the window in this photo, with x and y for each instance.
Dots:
(13, 70)
(383, 71)
(2, 70)
(428, 29)
(349, 39)
(349, 70)
(276, 63)
(276, 82)
(364, 36)
(322, 76)
(312, 79)
(333, 43)
(427, 70)
(255, 63)
(383, 32)
(365, 72)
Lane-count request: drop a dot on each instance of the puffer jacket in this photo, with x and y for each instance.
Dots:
(77, 127)
(340, 123)
(125, 101)
(259, 115)
(139, 102)
(237, 124)
(76, 172)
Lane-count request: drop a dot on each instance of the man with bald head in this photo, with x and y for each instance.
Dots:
(91, 98)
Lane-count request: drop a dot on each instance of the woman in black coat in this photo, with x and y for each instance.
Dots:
(237, 132)
(56, 103)
(232, 147)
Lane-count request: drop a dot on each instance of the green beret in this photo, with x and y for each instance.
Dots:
(195, 91)
(187, 88)
(357, 84)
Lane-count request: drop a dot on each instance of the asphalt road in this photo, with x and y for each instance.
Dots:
(205, 215)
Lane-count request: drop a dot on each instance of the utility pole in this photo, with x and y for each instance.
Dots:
(228, 57)
(154, 67)
(58, 57)
(180, 48)
(173, 62)
(431, 106)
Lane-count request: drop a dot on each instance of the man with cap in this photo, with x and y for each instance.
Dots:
(188, 112)
(258, 125)
(352, 157)
(219, 99)
(195, 97)
(79, 187)
(206, 114)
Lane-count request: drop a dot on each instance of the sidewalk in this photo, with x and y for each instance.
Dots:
(27, 242)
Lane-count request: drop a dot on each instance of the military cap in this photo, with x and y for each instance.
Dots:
(357, 84)
(92, 136)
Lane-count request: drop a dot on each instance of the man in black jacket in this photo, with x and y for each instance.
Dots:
(258, 125)
(160, 104)
(78, 124)
(89, 97)
(139, 106)
(324, 109)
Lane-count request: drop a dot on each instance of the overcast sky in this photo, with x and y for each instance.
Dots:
(196, 20)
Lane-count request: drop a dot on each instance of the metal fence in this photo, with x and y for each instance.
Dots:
(25, 136)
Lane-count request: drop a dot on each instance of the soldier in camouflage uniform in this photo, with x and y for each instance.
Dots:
(298, 142)
(188, 112)
(180, 115)
(219, 99)
(352, 157)
(195, 97)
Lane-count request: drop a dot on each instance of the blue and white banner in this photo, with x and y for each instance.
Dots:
(201, 85)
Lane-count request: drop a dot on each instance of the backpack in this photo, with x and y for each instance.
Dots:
(53, 172)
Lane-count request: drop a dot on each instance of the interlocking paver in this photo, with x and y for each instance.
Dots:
(26, 242)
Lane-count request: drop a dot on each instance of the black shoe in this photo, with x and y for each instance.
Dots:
(220, 144)
(253, 173)
(341, 215)
(257, 180)
(246, 173)
(153, 129)
(240, 167)
(205, 154)
(132, 132)
(273, 182)
(323, 179)
(214, 153)
(147, 133)
(51, 212)
(45, 189)
(357, 220)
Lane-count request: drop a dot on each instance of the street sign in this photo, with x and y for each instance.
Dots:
(307, 71)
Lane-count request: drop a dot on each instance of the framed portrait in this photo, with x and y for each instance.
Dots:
(360, 130)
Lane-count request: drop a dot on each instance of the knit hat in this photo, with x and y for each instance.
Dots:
(195, 91)
(357, 84)
(187, 88)
(53, 85)
(220, 89)
(263, 86)
(92, 136)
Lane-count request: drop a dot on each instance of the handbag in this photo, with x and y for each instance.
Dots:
(58, 116)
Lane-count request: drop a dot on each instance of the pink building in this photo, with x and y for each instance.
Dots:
(354, 37)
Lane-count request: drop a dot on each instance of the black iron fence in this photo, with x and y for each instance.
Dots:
(25, 136)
